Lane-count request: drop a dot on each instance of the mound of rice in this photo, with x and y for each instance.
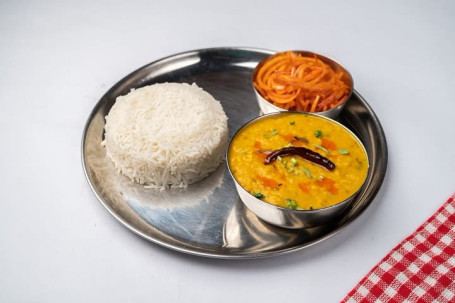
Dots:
(169, 134)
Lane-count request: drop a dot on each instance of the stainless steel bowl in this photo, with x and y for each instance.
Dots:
(267, 107)
(286, 217)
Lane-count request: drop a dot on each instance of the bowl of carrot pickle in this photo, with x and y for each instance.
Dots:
(302, 81)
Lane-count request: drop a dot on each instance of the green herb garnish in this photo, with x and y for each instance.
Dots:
(273, 133)
(294, 161)
(322, 148)
(261, 150)
(343, 151)
(359, 163)
(292, 122)
(307, 172)
(318, 134)
(258, 195)
(279, 159)
(290, 203)
(304, 140)
(289, 169)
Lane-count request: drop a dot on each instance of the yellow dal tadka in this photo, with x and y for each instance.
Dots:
(292, 181)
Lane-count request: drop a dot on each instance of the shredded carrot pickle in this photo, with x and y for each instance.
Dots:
(295, 82)
(293, 178)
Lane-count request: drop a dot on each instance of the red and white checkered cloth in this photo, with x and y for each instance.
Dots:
(419, 269)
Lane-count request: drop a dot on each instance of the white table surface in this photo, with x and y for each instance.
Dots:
(57, 58)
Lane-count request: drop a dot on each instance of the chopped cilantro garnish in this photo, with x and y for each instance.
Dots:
(318, 134)
(294, 161)
(292, 122)
(290, 203)
(304, 140)
(359, 163)
(322, 148)
(273, 133)
(343, 151)
(307, 172)
(258, 195)
(289, 169)
(265, 150)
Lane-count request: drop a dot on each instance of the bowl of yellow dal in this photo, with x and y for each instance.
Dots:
(297, 170)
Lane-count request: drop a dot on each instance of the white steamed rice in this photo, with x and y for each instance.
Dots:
(169, 134)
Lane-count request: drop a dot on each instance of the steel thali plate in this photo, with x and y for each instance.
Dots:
(208, 218)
